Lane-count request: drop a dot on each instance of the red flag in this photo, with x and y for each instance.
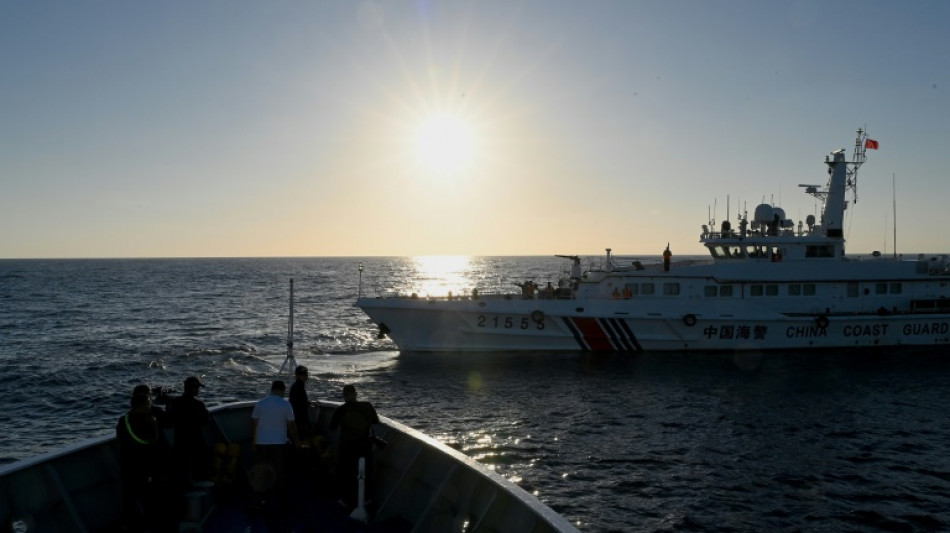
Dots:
(870, 144)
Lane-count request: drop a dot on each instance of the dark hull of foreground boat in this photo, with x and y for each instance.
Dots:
(421, 485)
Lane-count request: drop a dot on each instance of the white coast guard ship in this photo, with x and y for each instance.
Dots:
(768, 285)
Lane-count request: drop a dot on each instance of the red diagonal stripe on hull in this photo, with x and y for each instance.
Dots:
(593, 334)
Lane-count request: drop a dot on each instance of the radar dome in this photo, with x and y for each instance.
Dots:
(810, 220)
(763, 214)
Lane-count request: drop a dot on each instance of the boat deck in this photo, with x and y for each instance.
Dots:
(419, 485)
(305, 509)
(309, 502)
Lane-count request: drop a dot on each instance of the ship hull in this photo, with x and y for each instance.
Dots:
(538, 325)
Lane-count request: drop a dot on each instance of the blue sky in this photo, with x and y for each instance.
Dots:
(153, 129)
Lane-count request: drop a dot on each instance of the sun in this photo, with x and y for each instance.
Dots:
(445, 143)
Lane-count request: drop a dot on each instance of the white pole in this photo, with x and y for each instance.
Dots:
(290, 325)
(359, 514)
(894, 196)
(290, 361)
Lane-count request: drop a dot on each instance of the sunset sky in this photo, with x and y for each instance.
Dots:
(348, 128)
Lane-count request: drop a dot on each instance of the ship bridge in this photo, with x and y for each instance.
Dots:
(771, 236)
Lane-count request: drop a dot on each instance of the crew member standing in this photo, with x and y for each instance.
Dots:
(355, 420)
(137, 434)
(273, 427)
(301, 403)
(190, 418)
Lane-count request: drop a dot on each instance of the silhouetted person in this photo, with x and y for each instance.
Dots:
(137, 433)
(301, 403)
(527, 289)
(190, 451)
(164, 421)
(355, 421)
(162, 452)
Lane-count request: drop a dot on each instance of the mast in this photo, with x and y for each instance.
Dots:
(844, 177)
(832, 216)
(289, 361)
(894, 200)
(858, 158)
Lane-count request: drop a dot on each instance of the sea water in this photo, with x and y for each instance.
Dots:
(823, 441)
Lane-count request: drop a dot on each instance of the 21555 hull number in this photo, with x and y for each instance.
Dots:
(509, 322)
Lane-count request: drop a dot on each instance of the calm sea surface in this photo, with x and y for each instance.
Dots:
(659, 442)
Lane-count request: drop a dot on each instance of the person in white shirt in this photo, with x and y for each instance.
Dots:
(273, 429)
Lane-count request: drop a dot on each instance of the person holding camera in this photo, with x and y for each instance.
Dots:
(355, 421)
(137, 435)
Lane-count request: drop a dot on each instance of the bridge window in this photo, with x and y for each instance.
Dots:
(880, 288)
(647, 289)
(799, 289)
(671, 289)
(825, 250)
(896, 288)
(852, 289)
(727, 252)
(712, 291)
(767, 290)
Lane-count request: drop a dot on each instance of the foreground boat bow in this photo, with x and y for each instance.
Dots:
(421, 485)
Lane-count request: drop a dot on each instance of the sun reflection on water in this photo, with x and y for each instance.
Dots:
(438, 275)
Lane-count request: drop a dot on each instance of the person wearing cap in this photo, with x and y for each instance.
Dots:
(301, 403)
(190, 418)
